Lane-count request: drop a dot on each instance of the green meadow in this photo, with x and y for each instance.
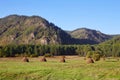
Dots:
(75, 68)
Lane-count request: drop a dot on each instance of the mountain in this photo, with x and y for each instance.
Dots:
(16, 29)
(90, 35)
(20, 29)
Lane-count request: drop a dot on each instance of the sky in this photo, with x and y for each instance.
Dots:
(101, 15)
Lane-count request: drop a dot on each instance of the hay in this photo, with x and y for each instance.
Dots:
(43, 59)
(62, 59)
(89, 60)
(25, 59)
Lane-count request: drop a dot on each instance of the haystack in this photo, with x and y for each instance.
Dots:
(43, 59)
(62, 59)
(25, 59)
(89, 60)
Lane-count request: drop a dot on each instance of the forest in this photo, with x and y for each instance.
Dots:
(55, 50)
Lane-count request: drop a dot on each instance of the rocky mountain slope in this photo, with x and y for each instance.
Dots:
(15, 29)
(90, 35)
(19, 29)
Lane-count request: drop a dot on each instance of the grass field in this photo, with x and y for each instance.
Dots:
(75, 68)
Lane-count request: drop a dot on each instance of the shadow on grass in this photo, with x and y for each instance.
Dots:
(111, 61)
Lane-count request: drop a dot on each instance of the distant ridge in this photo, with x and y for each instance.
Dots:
(20, 29)
(89, 34)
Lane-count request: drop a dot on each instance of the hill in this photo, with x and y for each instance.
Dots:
(19, 29)
(16, 29)
(113, 41)
(90, 35)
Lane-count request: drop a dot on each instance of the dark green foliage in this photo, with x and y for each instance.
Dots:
(96, 56)
(89, 54)
(111, 47)
(36, 50)
(93, 51)
(115, 50)
(80, 51)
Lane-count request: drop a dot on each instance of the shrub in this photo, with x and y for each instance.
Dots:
(96, 57)
(1, 54)
(89, 54)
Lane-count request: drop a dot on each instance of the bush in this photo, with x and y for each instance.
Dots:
(1, 54)
(89, 54)
(96, 57)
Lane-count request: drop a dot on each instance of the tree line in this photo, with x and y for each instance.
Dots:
(55, 50)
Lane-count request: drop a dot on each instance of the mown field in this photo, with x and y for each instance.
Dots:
(75, 68)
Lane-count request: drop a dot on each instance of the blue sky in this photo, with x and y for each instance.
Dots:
(102, 15)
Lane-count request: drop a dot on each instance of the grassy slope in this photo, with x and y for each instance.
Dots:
(74, 69)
